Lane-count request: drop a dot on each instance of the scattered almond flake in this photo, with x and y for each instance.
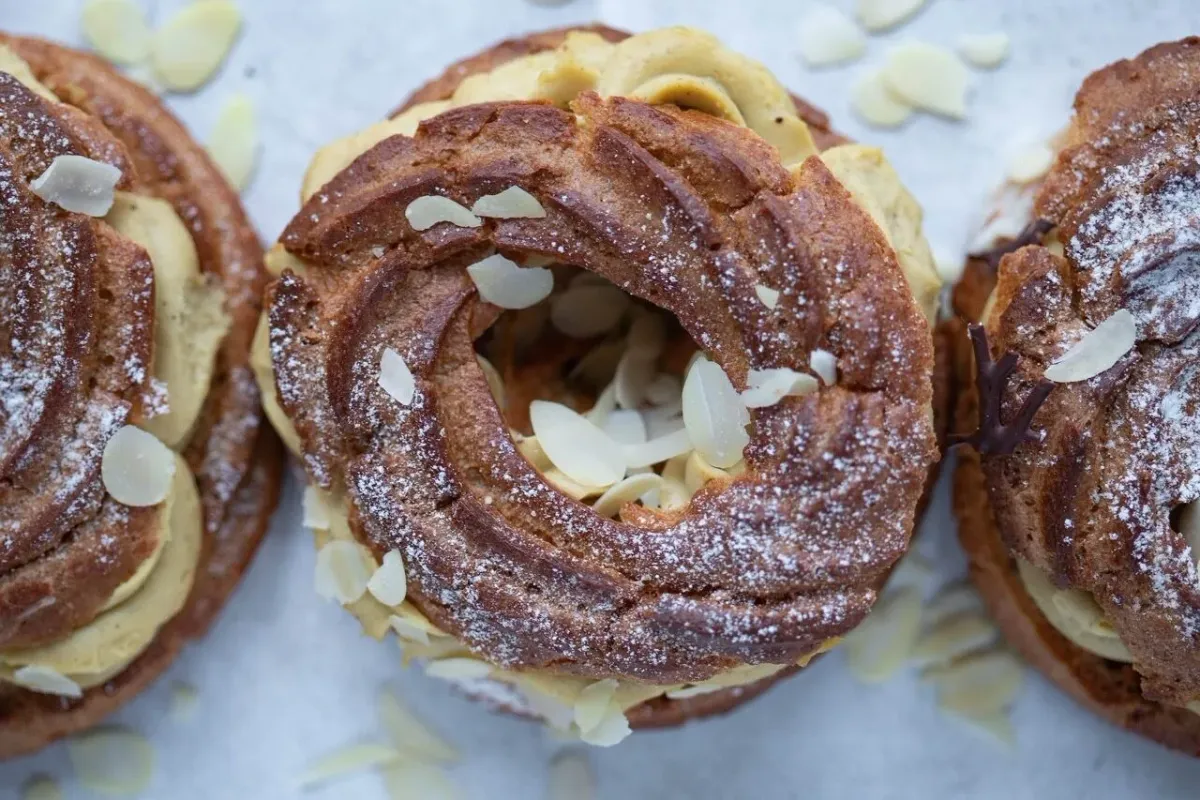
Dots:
(647, 335)
(342, 573)
(458, 669)
(767, 296)
(570, 777)
(1097, 351)
(588, 310)
(878, 648)
(531, 449)
(605, 404)
(77, 184)
(928, 77)
(433, 209)
(233, 143)
(46, 680)
(698, 472)
(593, 702)
(880, 15)
(502, 283)
(577, 447)
(572, 489)
(625, 426)
(136, 468)
(827, 36)
(395, 378)
(409, 780)
(672, 495)
(878, 105)
(635, 371)
(713, 414)
(953, 637)
(986, 50)
(347, 760)
(112, 760)
(412, 737)
(953, 599)
(191, 46)
(184, 699)
(389, 585)
(824, 363)
(117, 30)
(408, 630)
(626, 491)
(657, 450)
(768, 386)
(996, 724)
(316, 513)
(979, 683)
(512, 203)
(41, 787)
(494, 381)
(665, 390)
(612, 729)
(1031, 163)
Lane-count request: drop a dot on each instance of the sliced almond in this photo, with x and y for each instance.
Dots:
(978, 684)
(409, 627)
(46, 680)
(342, 573)
(433, 209)
(635, 372)
(928, 77)
(112, 760)
(189, 49)
(395, 378)
(767, 296)
(713, 414)
(494, 381)
(626, 491)
(117, 30)
(512, 203)
(1031, 163)
(954, 636)
(389, 585)
(1097, 351)
(593, 702)
(827, 36)
(582, 451)
(657, 450)
(612, 729)
(411, 779)
(502, 283)
(570, 777)
(572, 488)
(953, 599)
(316, 513)
(588, 310)
(410, 736)
(986, 50)
(878, 648)
(348, 760)
(996, 724)
(768, 386)
(665, 390)
(41, 787)
(698, 472)
(136, 468)
(825, 364)
(234, 141)
(531, 449)
(77, 184)
(625, 426)
(880, 15)
(913, 570)
(458, 669)
(878, 105)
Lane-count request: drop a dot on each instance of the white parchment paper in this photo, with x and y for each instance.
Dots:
(285, 677)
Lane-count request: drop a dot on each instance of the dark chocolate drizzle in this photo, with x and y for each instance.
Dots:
(1033, 233)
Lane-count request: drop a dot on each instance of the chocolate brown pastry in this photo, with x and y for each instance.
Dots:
(1083, 539)
(460, 434)
(125, 325)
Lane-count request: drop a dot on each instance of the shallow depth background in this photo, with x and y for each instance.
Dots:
(285, 677)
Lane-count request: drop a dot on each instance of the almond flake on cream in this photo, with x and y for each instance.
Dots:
(503, 283)
(117, 29)
(1098, 350)
(389, 584)
(46, 680)
(433, 209)
(342, 573)
(512, 203)
(189, 49)
(827, 36)
(77, 184)
(396, 378)
(136, 468)
(928, 77)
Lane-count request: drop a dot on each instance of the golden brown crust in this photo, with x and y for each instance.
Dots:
(235, 458)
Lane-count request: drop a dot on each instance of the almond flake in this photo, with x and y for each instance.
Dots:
(348, 760)
(77, 184)
(411, 737)
(234, 141)
(513, 203)
(767, 296)
(593, 702)
(665, 390)
(410, 629)
(46, 680)
(878, 647)
(494, 381)
(612, 729)
(396, 378)
(389, 585)
(986, 50)
(136, 468)
(768, 386)
(316, 513)
(824, 363)
(112, 760)
(411, 779)
(458, 669)
(953, 637)
(342, 573)
(117, 30)
(657, 450)
(433, 209)
(626, 491)
(928, 77)
(996, 724)
(577, 447)
(588, 310)
(570, 777)
(189, 49)
(1097, 351)
(980, 683)
(878, 105)
(698, 472)
(953, 599)
(41, 787)
(502, 283)
(827, 36)
(571, 488)
(880, 15)
(625, 426)
(1031, 164)
(713, 414)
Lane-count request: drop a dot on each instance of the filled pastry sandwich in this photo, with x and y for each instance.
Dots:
(610, 368)
(1078, 505)
(136, 474)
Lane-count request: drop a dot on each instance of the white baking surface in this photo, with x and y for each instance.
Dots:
(284, 677)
